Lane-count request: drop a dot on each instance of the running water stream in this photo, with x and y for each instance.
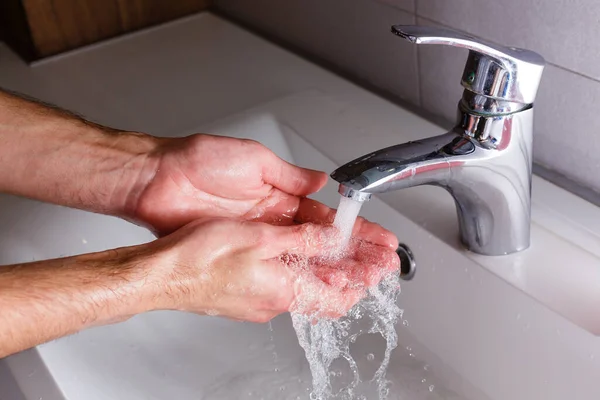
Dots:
(328, 343)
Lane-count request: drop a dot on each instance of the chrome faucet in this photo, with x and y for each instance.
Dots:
(484, 161)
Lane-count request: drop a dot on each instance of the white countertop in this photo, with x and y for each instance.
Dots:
(170, 79)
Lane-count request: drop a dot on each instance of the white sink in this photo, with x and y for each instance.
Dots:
(470, 333)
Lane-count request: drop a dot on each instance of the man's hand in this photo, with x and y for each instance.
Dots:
(237, 269)
(205, 176)
(53, 156)
(265, 270)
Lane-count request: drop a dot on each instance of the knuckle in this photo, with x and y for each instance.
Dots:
(301, 235)
(253, 145)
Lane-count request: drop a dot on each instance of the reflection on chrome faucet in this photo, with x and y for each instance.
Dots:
(484, 162)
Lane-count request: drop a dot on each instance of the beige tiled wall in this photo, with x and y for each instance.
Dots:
(354, 36)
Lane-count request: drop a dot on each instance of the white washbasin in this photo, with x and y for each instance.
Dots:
(470, 333)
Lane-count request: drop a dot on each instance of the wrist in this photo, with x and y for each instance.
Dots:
(153, 266)
(138, 276)
(52, 155)
(134, 161)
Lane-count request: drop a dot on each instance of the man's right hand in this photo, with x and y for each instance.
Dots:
(243, 270)
(254, 271)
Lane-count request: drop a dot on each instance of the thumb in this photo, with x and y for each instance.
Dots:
(307, 240)
(292, 179)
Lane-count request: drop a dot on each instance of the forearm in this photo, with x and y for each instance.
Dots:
(50, 155)
(46, 300)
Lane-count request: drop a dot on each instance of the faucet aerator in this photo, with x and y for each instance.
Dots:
(354, 194)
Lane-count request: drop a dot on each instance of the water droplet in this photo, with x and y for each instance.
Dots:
(282, 388)
(405, 322)
(411, 355)
(276, 369)
(426, 367)
(431, 387)
(408, 348)
(313, 396)
(423, 380)
(370, 356)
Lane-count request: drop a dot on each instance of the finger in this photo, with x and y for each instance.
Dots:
(368, 265)
(308, 240)
(310, 210)
(313, 211)
(331, 276)
(385, 260)
(291, 178)
(374, 233)
(279, 209)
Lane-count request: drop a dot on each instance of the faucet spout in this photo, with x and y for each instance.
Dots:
(484, 163)
(426, 161)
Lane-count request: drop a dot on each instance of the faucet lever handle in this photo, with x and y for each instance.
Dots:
(500, 72)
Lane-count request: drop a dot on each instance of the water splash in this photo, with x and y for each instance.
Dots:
(327, 341)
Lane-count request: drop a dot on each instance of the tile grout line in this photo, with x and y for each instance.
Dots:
(418, 59)
(582, 75)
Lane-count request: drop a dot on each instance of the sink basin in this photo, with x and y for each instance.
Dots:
(467, 333)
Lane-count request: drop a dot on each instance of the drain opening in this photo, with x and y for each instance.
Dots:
(408, 266)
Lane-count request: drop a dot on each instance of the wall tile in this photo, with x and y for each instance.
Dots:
(566, 125)
(352, 34)
(563, 31)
